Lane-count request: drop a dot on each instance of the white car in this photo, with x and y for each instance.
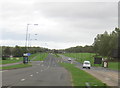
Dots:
(86, 64)
(69, 59)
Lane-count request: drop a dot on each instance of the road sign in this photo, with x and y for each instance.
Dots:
(28, 54)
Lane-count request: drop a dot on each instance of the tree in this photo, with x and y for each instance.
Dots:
(105, 44)
(18, 51)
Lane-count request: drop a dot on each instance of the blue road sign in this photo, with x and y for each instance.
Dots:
(28, 54)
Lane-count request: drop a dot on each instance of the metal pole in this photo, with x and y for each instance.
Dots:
(26, 36)
(29, 40)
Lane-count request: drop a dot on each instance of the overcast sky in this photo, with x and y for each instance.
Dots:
(60, 24)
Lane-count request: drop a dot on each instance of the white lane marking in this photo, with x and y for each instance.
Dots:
(31, 75)
(22, 79)
(37, 72)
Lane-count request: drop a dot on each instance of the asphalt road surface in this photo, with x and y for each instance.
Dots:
(46, 73)
(110, 77)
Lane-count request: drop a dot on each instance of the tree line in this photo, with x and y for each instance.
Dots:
(106, 44)
(18, 51)
(80, 49)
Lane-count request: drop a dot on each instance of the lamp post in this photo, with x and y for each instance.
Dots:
(26, 35)
(26, 43)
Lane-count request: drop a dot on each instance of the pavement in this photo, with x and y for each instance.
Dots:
(42, 73)
(3, 65)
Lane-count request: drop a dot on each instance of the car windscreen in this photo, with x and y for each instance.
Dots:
(86, 63)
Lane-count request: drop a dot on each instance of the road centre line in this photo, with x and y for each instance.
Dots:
(22, 79)
(31, 75)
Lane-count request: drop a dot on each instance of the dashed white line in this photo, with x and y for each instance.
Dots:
(37, 72)
(31, 75)
(22, 79)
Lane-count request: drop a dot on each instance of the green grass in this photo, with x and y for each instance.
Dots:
(56, 55)
(15, 66)
(11, 60)
(80, 57)
(114, 65)
(14, 59)
(33, 55)
(41, 57)
(80, 77)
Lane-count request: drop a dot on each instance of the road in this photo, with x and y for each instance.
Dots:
(46, 73)
(110, 77)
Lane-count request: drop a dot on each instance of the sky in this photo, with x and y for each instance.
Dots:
(60, 24)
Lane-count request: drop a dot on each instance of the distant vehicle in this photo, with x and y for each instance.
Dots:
(69, 59)
(86, 64)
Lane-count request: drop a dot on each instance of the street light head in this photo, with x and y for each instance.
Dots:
(36, 24)
(28, 24)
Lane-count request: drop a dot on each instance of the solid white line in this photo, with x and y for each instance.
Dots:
(22, 79)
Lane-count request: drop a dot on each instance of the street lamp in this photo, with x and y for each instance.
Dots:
(26, 43)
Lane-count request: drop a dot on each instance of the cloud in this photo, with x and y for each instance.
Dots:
(61, 24)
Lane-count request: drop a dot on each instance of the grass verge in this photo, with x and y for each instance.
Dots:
(114, 65)
(56, 55)
(11, 60)
(80, 77)
(15, 66)
(81, 57)
(41, 57)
